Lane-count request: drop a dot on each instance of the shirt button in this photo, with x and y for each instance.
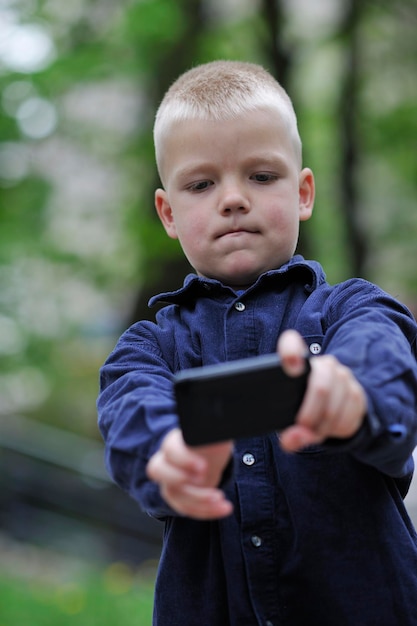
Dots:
(248, 459)
(315, 348)
(239, 306)
(256, 541)
(268, 623)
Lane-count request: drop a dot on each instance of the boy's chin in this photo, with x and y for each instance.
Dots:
(236, 281)
(242, 273)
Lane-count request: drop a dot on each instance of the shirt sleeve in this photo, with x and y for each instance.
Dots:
(375, 336)
(136, 409)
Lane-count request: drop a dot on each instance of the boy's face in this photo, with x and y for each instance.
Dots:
(234, 195)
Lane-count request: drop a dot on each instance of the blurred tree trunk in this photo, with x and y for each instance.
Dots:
(277, 55)
(280, 61)
(349, 109)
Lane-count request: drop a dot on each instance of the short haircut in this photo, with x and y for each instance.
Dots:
(222, 90)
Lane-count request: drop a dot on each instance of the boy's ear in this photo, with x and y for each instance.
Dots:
(307, 191)
(163, 208)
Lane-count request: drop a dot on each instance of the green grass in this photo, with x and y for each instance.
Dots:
(114, 596)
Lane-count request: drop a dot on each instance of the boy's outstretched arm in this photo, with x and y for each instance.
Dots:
(335, 403)
(188, 478)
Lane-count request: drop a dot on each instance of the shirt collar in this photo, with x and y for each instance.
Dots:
(310, 272)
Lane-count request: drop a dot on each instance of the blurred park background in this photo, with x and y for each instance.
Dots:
(81, 251)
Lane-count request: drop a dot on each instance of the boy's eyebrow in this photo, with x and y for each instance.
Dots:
(191, 170)
(275, 158)
(253, 160)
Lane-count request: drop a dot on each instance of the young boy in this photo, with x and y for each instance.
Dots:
(306, 527)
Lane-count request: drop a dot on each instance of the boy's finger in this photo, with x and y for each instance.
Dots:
(160, 472)
(292, 350)
(177, 453)
(198, 502)
(295, 438)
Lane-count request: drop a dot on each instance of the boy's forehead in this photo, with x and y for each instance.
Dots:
(263, 130)
(181, 130)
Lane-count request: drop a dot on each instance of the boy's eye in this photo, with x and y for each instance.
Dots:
(200, 185)
(264, 177)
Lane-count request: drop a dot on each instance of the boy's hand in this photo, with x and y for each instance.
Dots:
(334, 404)
(188, 477)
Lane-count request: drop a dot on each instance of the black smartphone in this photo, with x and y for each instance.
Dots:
(236, 399)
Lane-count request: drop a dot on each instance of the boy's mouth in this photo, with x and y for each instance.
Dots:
(236, 232)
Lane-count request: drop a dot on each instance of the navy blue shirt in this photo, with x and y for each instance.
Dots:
(317, 538)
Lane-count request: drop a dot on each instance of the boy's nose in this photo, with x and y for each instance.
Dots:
(234, 199)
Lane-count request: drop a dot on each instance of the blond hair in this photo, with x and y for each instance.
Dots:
(219, 91)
